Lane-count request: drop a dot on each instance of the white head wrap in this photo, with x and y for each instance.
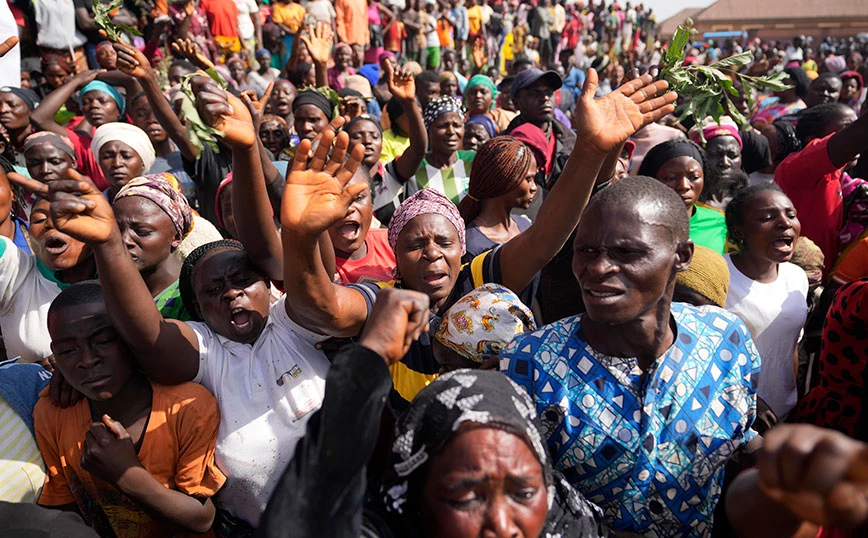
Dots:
(129, 135)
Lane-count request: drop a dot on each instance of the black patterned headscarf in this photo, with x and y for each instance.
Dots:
(489, 399)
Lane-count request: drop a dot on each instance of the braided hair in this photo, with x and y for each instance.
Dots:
(736, 207)
(185, 280)
(500, 166)
(814, 121)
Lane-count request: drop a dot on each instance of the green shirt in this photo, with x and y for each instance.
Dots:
(708, 228)
(452, 182)
(170, 305)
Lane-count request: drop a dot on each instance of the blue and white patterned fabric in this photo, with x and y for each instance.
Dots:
(648, 450)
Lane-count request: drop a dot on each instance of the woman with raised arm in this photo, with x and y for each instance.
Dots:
(262, 367)
(427, 233)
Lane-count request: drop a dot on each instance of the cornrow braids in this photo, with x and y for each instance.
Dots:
(814, 121)
(185, 280)
(500, 166)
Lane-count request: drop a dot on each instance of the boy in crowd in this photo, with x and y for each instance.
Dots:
(135, 458)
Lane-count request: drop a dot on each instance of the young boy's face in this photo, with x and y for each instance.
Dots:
(89, 351)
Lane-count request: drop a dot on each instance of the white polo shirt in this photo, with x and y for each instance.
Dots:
(266, 392)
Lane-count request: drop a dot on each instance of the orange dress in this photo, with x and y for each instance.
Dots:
(352, 21)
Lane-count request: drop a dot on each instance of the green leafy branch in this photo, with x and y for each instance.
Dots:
(198, 132)
(708, 90)
(102, 19)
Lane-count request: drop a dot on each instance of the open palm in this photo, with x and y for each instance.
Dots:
(607, 122)
(317, 194)
(319, 42)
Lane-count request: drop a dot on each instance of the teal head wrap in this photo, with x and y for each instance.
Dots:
(100, 86)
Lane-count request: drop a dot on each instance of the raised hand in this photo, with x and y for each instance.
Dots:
(108, 451)
(28, 184)
(399, 317)
(256, 105)
(86, 77)
(605, 123)
(131, 61)
(224, 111)
(819, 475)
(401, 83)
(186, 48)
(80, 210)
(319, 42)
(317, 194)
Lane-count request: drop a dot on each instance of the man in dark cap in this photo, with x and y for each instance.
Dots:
(533, 93)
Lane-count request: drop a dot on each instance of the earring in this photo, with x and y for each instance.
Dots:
(175, 244)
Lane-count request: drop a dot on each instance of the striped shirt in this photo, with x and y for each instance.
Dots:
(452, 182)
(21, 470)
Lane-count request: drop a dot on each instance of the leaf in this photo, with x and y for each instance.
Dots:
(733, 61)
(197, 130)
(211, 72)
(102, 19)
(774, 83)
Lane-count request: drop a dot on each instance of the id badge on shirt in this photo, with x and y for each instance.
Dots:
(304, 396)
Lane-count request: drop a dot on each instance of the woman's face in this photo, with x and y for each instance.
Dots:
(273, 137)
(55, 76)
(309, 121)
(56, 250)
(722, 153)
(231, 295)
(449, 86)
(428, 255)
(369, 136)
(106, 57)
(770, 228)
(281, 99)
(226, 211)
(684, 176)
(479, 100)
(47, 163)
(446, 133)
(474, 137)
(237, 71)
(147, 231)
(14, 114)
(484, 482)
(522, 196)
(849, 90)
(143, 118)
(343, 57)
(349, 234)
(99, 107)
(120, 163)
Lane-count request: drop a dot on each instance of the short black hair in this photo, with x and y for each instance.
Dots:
(813, 121)
(720, 185)
(735, 209)
(788, 140)
(639, 191)
(184, 64)
(81, 293)
(428, 77)
(801, 80)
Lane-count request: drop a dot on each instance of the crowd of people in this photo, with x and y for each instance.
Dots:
(425, 268)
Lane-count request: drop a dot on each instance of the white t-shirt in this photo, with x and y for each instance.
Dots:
(775, 313)
(266, 392)
(55, 21)
(25, 295)
(246, 30)
(319, 11)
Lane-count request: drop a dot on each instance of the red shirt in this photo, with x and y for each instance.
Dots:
(86, 162)
(813, 184)
(378, 264)
(222, 17)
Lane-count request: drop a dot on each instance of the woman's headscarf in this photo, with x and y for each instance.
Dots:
(489, 399)
(129, 135)
(710, 128)
(100, 86)
(482, 322)
(437, 107)
(30, 97)
(315, 98)
(847, 75)
(666, 151)
(220, 188)
(157, 189)
(486, 122)
(708, 275)
(47, 138)
(482, 80)
(422, 203)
